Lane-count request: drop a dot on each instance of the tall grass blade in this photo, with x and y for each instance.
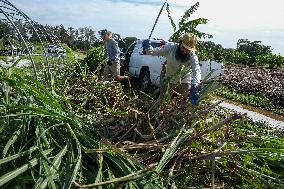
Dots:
(13, 174)
(71, 177)
(53, 170)
(16, 156)
(11, 141)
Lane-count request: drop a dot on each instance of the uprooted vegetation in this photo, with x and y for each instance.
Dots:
(62, 127)
(81, 131)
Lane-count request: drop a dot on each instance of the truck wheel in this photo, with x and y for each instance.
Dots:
(145, 80)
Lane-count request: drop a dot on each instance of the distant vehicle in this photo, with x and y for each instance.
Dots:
(148, 68)
(10, 51)
(53, 48)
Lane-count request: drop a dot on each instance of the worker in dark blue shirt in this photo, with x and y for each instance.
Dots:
(113, 54)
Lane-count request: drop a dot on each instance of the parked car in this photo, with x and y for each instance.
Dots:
(148, 68)
(54, 48)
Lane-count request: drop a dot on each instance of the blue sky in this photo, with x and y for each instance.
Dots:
(229, 20)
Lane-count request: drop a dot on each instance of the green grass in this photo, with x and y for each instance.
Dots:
(257, 100)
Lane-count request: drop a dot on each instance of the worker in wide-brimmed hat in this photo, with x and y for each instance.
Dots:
(178, 55)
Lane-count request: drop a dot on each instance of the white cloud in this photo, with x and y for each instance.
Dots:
(243, 13)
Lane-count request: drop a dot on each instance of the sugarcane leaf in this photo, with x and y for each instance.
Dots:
(11, 141)
(18, 155)
(53, 169)
(13, 174)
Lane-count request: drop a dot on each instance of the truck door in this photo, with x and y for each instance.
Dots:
(154, 63)
(131, 57)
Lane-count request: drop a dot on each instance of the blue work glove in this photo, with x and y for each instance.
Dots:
(194, 95)
(146, 44)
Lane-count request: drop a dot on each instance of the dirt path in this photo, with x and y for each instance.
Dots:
(256, 114)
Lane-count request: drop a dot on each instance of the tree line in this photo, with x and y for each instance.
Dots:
(250, 53)
(78, 39)
(82, 38)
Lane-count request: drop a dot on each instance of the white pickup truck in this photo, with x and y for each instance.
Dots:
(148, 68)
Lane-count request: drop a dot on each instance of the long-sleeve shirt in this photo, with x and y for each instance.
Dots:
(112, 50)
(173, 65)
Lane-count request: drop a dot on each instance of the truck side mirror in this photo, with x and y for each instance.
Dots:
(143, 52)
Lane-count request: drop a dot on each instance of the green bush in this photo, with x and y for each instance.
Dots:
(241, 57)
(271, 60)
(208, 50)
(275, 61)
(94, 57)
(261, 61)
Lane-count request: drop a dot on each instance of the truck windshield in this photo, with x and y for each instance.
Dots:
(155, 44)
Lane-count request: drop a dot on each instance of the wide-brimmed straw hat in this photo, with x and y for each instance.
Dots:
(189, 41)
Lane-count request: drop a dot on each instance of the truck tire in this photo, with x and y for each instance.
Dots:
(145, 81)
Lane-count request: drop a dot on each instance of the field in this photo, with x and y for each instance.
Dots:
(75, 130)
(63, 126)
(254, 86)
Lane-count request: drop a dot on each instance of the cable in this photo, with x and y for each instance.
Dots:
(157, 19)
